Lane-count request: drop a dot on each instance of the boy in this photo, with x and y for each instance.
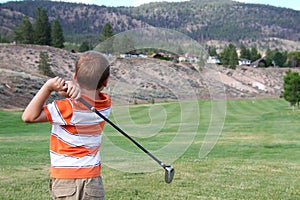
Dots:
(76, 132)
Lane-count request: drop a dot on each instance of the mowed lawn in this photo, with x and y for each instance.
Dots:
(256, 156)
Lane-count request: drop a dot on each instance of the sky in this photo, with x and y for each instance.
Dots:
(293, 4)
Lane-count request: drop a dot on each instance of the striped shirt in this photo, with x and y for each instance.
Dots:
(76, 137)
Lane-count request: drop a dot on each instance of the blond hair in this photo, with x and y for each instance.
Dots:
(92, 70)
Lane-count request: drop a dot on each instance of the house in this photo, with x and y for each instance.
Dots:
(243, 61)
(132, 55)
(193, 59)
(259, 63)
(182, 59)
(213, 60)
(158, 55)
(188, 58)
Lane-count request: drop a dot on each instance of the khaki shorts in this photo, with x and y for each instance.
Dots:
(77, 189)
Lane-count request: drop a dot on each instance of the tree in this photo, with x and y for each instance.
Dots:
(269, 53)
(293, 59)
(106, 39)
(269, 62)
(291, 87)
(224, 56)
(5, 37)
(42, 28)
(279, 58)
(24, 32)
(229, 56)
(57, 35)
(106, 33)
(245, 53)
(212, 51)
(269, 58)
(85, 46)
(254, 54)
(44, 66)
(233, 57)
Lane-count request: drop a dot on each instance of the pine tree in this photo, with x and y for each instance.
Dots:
(224, 56)
(44, 66)
(254, 54)
(85, 46)
(294, 59)
(229, 56)
(212, 51)
(57, 35)
(107, 32)
(233, 57)
(106, 39)
(42, 28)
(279, 58)
(24, 32)
(245, 53)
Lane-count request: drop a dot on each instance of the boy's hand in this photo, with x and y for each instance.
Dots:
(67, 89)
(56, 84)
(73, 90)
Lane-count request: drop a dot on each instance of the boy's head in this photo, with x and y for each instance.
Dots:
(92, 70)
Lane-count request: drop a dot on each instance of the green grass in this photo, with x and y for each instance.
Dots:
(257, 155)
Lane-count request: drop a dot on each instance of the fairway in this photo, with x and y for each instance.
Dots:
(256, 156)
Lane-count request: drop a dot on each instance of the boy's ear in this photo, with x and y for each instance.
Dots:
(75, 76)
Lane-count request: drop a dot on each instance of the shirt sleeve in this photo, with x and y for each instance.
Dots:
(59, 112)
(48, 115)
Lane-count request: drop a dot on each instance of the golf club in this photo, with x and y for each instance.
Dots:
(169, 170)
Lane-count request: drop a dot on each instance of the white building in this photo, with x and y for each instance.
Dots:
(213, 60)
(243, 61)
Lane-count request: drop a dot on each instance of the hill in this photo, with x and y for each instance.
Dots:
(204, 20)
(135, 80)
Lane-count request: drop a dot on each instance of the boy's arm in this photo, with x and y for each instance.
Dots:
(34, 112)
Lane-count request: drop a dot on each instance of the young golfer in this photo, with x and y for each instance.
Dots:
(76, 132)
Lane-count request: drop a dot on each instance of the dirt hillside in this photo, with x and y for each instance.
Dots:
(135, 80)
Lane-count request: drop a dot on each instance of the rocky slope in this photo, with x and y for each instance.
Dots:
(135, 80)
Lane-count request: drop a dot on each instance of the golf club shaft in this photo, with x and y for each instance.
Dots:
(122, 132)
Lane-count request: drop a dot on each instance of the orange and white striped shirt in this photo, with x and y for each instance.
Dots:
(76, 137)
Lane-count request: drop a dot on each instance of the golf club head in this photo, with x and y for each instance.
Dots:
(169, 173)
